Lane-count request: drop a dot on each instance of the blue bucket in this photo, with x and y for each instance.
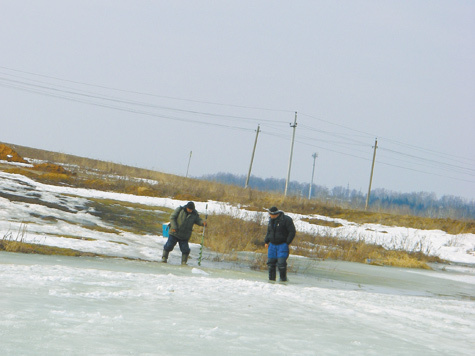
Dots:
(165, 229)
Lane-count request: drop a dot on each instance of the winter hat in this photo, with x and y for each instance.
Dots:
(190, 205)
(274, 211)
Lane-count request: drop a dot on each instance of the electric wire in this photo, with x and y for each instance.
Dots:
(135, 111)
(150, 94)
(269, 126)
(29, 87)
(465, 170)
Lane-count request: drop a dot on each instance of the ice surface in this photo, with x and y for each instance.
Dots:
(60, 305)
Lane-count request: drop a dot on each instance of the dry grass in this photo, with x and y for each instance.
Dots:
(227, 236)
(326, 247)
(11, 243)
(322, 222)
(135, 218)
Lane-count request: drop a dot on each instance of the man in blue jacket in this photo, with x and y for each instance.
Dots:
(280, 233)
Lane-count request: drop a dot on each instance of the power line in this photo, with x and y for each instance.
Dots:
(388, 140)
(430, 151)
(97, 96)
(419, 158)
(430, 173)
(149, 94)
(338, 135)
(471, 171)
(37, 89)
(339, 125)
(135, 111)
(270, 126)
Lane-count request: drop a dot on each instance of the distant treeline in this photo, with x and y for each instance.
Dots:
(416, 203)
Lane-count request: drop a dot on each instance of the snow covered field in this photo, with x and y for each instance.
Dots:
(59, 305)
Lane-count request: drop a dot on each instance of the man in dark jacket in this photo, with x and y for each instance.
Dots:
(280, 233)
(181, 226)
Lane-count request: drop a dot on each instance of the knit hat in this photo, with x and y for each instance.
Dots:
(190, 205)
(274, 211)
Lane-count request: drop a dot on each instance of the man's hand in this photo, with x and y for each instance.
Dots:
(267, 245)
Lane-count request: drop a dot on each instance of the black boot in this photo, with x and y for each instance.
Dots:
(165, 256)
(283, 274)
(272, 273)
(272, 263)
(184, 259)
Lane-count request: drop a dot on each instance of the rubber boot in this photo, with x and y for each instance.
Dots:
(165, 256)
(283, 274)
(272, 273)
(184, 259)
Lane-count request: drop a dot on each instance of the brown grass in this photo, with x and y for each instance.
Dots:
(321, 222)
(326, 247)
(11, 243)
(226, 236)
(8, 154)
(22, 247)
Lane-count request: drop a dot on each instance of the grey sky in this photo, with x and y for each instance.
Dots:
(145, 82)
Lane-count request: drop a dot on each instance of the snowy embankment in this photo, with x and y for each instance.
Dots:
(49, 213)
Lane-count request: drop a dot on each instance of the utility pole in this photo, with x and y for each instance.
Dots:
(315, 155)
(252, 157)
(371, 176)
(294, 126)
(189, 160)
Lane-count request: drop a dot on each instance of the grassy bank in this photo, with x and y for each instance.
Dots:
(94, 174)
(16, 243)
(227, 235)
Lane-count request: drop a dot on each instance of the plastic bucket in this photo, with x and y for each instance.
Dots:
(165, 229)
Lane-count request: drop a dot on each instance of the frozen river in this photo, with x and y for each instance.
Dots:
(89, 306)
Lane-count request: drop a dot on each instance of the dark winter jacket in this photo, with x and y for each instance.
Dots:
(280, 230)
(183, 222)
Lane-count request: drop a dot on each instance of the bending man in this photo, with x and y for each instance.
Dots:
(181, 226)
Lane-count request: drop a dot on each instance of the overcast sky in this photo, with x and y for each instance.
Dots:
(144, 83)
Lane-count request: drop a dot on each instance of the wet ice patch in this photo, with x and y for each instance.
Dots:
(199, 271)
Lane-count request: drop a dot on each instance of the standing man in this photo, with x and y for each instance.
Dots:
(181, 226)
(280, 233)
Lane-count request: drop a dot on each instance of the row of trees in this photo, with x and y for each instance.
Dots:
(415, 203)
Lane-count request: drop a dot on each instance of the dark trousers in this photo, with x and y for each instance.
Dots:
(172, 241)
(277, 257)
